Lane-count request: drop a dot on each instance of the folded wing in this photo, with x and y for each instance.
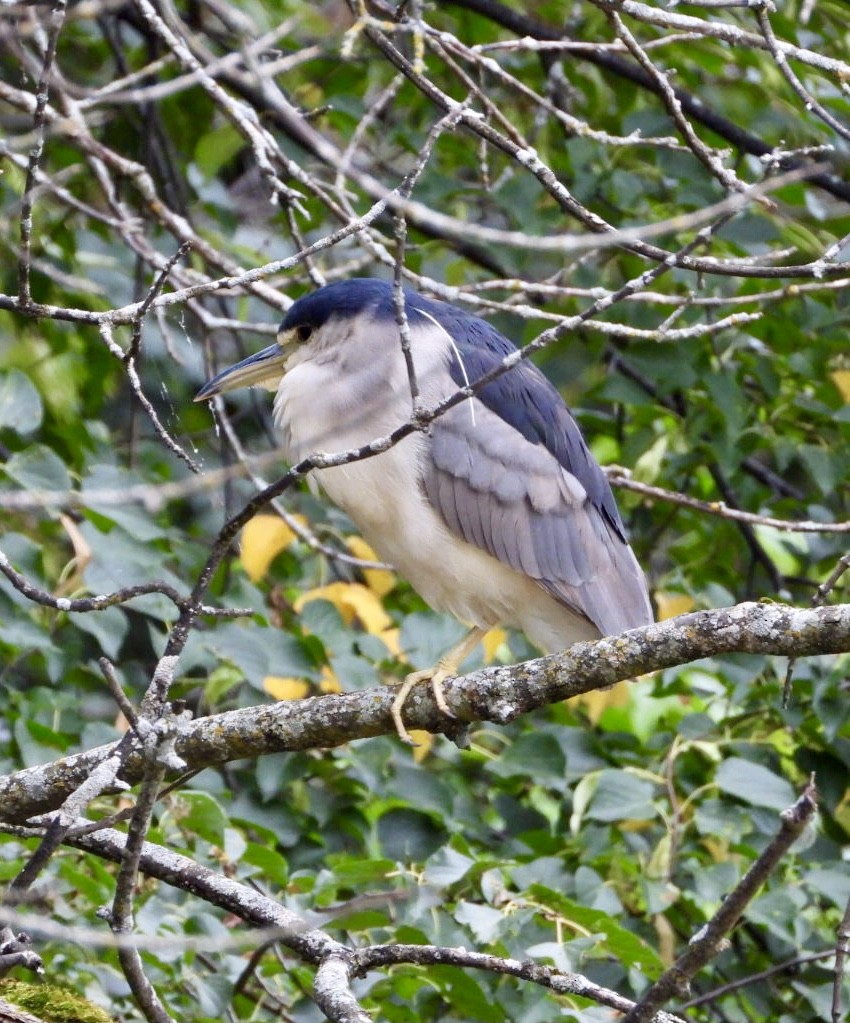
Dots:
(510, 473)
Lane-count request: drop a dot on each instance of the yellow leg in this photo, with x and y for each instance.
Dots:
(446, 667)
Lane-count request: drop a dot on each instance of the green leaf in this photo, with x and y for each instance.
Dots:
(620, 796)
(536, 754)
(447, 866)
(95, 890)
(201, 814)
(832, 884)
(483, 921)
(38, 468)
(218, 147)
(358, 871)
(109, 627)
(273, 866)
(781, 912)
(426, 636)
(407, 835)
(466, 994)
(222, 681)
(754, 784)
(619, 942)
(132, 517)
(259, 652)
(38, 743)
(20, 403)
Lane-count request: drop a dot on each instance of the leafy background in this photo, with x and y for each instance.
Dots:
(597, 836)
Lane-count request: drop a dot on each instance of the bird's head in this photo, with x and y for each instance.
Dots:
(316, 322)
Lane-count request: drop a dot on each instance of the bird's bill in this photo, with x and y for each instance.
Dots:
(263, 369)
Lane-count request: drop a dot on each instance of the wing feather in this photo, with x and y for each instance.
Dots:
(525, 553)
(446, 501)
(500, 534)
(516, 500)
(470, 509)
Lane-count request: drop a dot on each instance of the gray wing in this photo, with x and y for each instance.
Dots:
(513, 498)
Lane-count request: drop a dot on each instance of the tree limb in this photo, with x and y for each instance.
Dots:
(496, 694)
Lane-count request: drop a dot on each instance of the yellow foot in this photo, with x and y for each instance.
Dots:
(437, 676)
(446, 667)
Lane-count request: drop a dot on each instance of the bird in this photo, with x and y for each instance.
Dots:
(496, 512)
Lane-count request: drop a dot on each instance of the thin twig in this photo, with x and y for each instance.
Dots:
(55, 22)
(376, 956)
(132, 352)
(158, 742)
(756, 978)
(710, 160)
(118, 694)
(142, 398)
(842, 948)
(400, 303)
(762, 7)
(818, 600)
(721, 510)
(100, 601)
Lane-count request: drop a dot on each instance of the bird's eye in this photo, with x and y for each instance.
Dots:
(303, 332)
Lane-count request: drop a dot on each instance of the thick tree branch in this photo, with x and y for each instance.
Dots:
(498, 694)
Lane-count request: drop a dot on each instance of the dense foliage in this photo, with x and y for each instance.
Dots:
(163, 151)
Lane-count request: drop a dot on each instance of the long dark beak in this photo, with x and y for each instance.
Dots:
(263, 369)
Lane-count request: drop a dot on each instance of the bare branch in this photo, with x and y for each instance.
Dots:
(729, 33)
(710, 160)
(762, 7)
(721, 510)
(561, 983)
(332, 991)
(158, 741)
(57, 18)
(675, 982)
(81, 605)
(842, 947)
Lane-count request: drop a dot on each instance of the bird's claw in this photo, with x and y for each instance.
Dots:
(436, 676)
(437, 680)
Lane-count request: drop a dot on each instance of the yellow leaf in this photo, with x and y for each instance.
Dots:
(672, 604)
(598, 701)
(717, 848)
(392, 641)
(263, 538)
(841, 379)
(842, 812)
(424, 741)
(491, 643)
(668, 940)
(357, 602)
(286, 688)
(329, 682)
(647, 468)
(377, 579)
(352, 600)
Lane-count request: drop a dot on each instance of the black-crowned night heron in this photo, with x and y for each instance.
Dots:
(497, 514)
